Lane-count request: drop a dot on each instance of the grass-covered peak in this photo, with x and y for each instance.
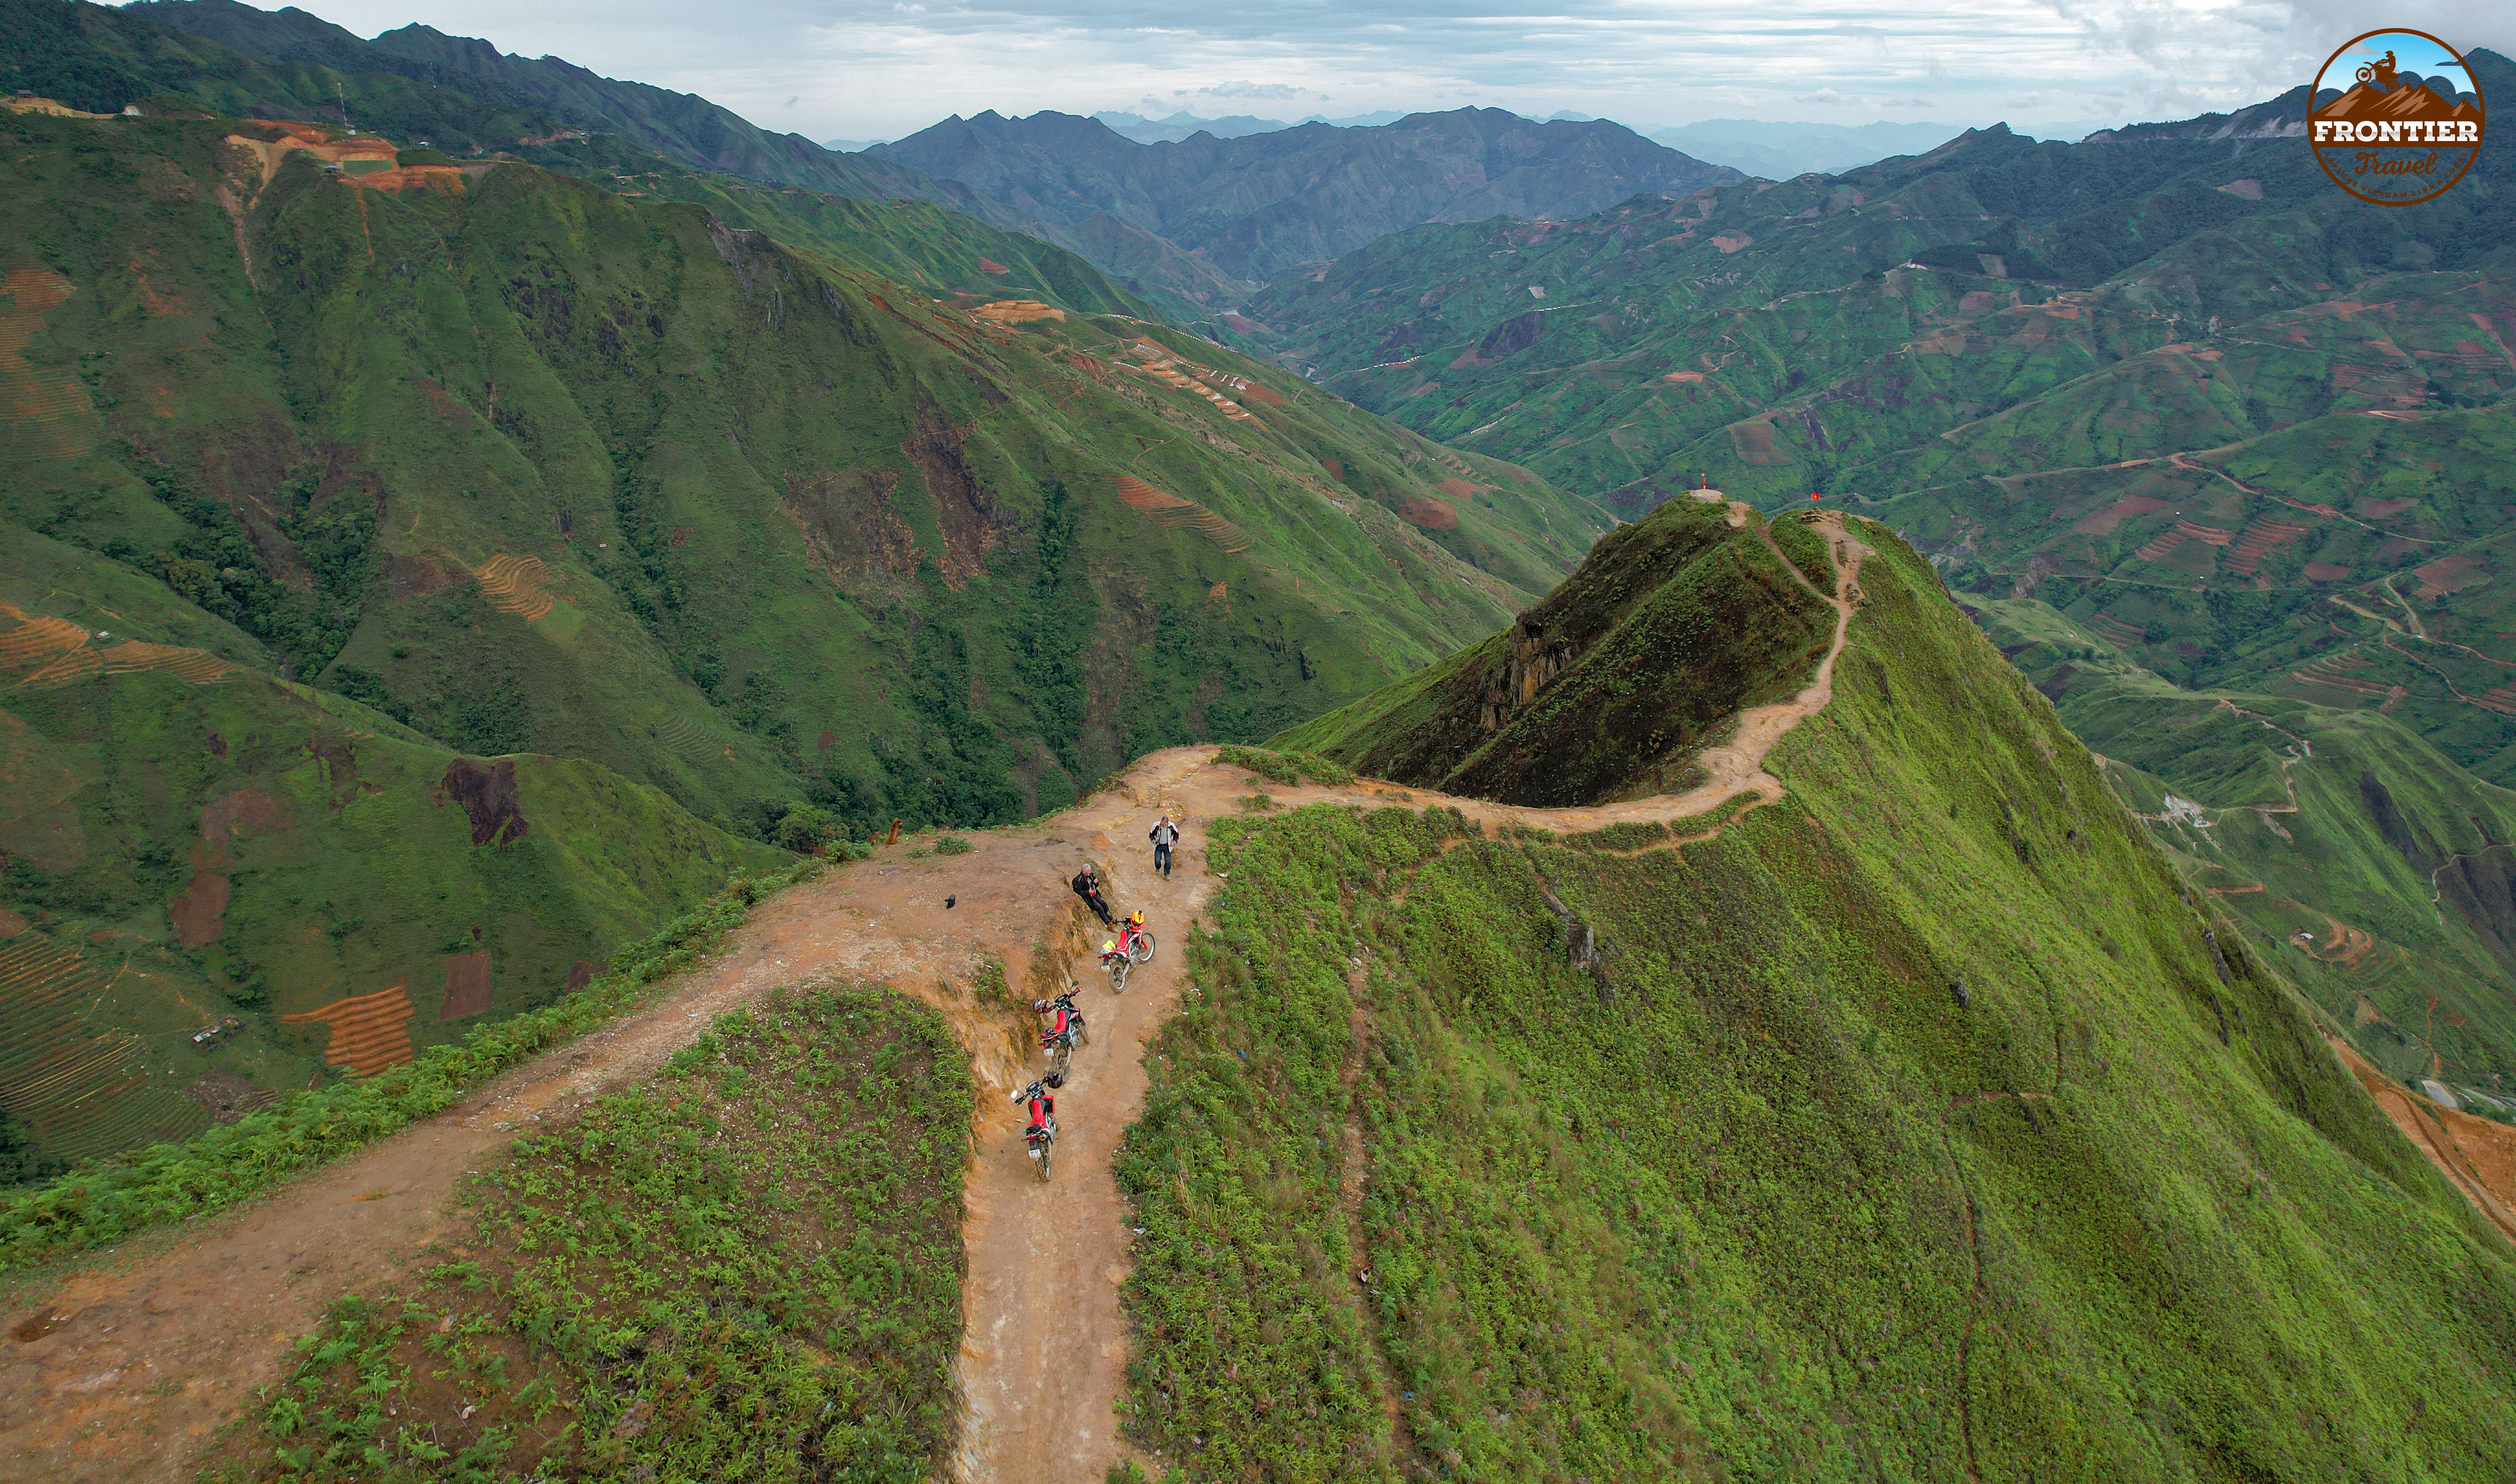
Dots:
(1608, 686)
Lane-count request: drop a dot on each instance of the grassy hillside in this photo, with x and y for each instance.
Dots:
(1917, 1127)
(2165, 400)
(2369, 866)
(749, 1269)
(97, 58)
(1611, 685)
(190, 839)
(705, 535)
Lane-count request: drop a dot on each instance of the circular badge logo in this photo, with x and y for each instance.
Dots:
(2395, 118)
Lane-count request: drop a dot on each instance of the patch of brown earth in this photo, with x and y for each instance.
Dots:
(2476, 1156)
(338, 758)
(970, 519)
(418, 576)
(228, 1096)
(1430, 514)
(199, 915)
(488, 793)
(467, 985)
(848, 524)
(2129, 507)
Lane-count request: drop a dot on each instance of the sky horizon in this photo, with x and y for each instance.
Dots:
(886, 68)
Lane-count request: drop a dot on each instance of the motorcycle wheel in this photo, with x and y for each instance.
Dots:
(1118, 977)
(1043, 1167)
(1141, 951)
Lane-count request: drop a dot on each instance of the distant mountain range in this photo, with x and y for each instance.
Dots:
(1260, 204)
(1183, 124)
(1780, 150)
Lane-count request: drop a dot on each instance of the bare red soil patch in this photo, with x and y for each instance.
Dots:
(1430, 514)
(2448, 574)
(2129, 507)
(2477, 1157)
(467, 985)
(199, 915)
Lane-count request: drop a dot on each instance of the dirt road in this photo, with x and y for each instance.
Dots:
(123, 1366)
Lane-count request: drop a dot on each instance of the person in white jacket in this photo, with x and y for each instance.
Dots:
(1165, 835)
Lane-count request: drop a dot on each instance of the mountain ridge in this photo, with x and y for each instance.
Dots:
(1236, 201)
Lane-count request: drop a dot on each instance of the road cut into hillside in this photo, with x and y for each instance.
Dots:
(129, 1363)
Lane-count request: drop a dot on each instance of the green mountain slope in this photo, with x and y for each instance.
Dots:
(495, 462)
(190, 839)
(2210, 418)
(99, 57)
(682, 128)
(1610, 687)
(2372, 868)
(1916, 1127)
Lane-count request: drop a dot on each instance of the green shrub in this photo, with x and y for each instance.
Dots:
(170, 1183)
(1288, 769)
(953, 845)
(1633, 835)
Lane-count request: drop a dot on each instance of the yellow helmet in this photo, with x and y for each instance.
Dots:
(1136, 918)
(1110, 946)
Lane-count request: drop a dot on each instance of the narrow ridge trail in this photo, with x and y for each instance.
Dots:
(125, 1365)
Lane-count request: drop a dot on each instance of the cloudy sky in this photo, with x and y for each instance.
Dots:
(880, 68)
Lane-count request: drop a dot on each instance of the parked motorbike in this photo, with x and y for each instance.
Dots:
(1041, 1132)
(1064, 1032)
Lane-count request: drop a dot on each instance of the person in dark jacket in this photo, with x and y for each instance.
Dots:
(1087, 886)
(1165, 835)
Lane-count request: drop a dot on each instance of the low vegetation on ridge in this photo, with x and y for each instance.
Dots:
(748, 1269)
(1916, 1126)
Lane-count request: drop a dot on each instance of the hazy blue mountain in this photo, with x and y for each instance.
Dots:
(1780, 150)
(1257, 205)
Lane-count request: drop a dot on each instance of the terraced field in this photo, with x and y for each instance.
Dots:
(82, 1087)
(44, 413)
(515, 584)
(43, 651)
(1170, 511)
(369, 1032)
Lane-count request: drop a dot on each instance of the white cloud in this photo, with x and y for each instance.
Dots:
(886, 67)
(1246, 89)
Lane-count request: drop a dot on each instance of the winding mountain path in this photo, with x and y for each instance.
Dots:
(125, 1365)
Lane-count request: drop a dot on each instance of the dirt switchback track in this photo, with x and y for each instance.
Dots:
(123, 1365)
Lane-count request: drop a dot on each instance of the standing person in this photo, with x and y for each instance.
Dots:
(1087, 886)
(1165, 835)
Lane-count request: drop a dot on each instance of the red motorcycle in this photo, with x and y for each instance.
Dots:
(1042, 1131)
(1064, 1032)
